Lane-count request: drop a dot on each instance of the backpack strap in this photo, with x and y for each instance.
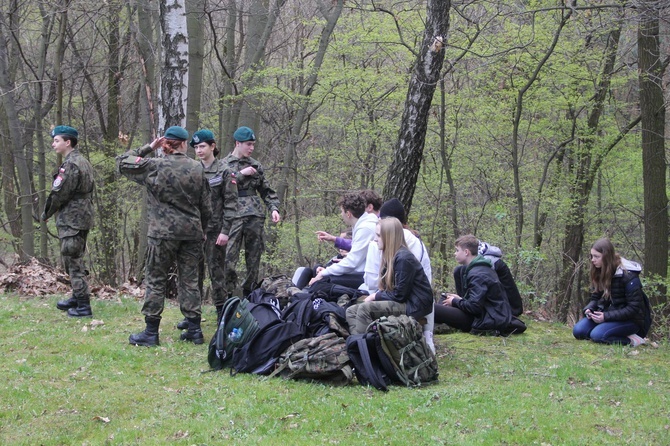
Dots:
(372, 373)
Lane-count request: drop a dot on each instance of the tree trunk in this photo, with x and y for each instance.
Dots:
(652, 110)
(17, 144)
(196, 58)
(174, 72)
(404, 170)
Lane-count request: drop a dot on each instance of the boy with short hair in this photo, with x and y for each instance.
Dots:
(484, 308)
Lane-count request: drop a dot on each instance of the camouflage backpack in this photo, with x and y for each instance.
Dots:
(282, 288)
(322, 358)
(401, 338)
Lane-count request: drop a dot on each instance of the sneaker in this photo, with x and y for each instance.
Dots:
(636, 340)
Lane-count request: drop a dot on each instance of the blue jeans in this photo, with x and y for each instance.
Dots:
(614, 332)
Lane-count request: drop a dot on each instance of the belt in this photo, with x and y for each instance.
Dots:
(246, 192)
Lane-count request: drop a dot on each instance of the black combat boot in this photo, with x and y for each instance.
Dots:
(82, 309)
(194, 333)
(148, 337)
(66, 304)
(183, 324)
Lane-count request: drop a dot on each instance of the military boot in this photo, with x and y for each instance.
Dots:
(194, 332)
(148, 337)
(83, 308)
(183, 324)
(66, 304)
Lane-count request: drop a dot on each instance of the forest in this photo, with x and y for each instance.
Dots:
(539, 126)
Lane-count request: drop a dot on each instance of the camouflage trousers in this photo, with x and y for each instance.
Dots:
(361, 315)
(72, 249)
(215, 257)
(161, 255)
(247, 231)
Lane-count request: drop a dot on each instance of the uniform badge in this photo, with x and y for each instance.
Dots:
(57, 182)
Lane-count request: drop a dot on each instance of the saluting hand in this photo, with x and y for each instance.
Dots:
(158, 142)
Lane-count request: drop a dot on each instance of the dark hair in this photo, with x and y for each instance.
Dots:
(72, 139)
(373, 198)
(601, 278)
(354, 203)
(469, 242)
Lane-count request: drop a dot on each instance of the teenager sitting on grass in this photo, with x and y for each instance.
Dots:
(483, 308)
(349, 271)
(617, 312)
(403, 286)
(394, 208)
(303, 274)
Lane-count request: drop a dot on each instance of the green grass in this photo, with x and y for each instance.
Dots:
(59, 382)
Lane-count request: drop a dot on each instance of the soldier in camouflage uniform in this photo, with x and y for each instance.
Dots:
(247, 227)
(179, 207)
(71, 197)
(223, 211)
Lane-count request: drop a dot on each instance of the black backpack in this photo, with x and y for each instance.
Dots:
(332, 292)
(245, 319)
(260, 354)
(370, 361)
(317, 316)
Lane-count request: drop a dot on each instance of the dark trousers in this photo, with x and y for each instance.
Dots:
(72, 249)
(161, 255)
(453, 317)
(247, 232)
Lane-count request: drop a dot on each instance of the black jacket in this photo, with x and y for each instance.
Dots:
(484, 297)
(626, 302)
(411, 285)
(506, 280)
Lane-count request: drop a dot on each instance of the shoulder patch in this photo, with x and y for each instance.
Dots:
(57, 182)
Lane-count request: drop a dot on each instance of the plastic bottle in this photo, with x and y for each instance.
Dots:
(235, 335)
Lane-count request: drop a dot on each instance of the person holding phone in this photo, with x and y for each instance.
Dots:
(618, 312)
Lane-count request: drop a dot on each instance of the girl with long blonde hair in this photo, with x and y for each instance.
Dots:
(403, 285)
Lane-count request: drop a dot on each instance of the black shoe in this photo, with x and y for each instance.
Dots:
(148, 337)
(183, 324)
(66, 304)
(144, 339)
(80, 311)
(194, 332)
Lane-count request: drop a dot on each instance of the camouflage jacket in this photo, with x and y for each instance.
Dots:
(179, 203)
(72, 195)
(224, 197)
(251, 189)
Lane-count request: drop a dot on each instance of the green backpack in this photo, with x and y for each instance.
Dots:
(401, 338)
(322, 358)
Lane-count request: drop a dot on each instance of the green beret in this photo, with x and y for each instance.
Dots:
(176, 132)
(65, 130)
(244, 134)
(203, 135)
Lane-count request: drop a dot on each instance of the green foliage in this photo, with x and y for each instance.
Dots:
(67, 382)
